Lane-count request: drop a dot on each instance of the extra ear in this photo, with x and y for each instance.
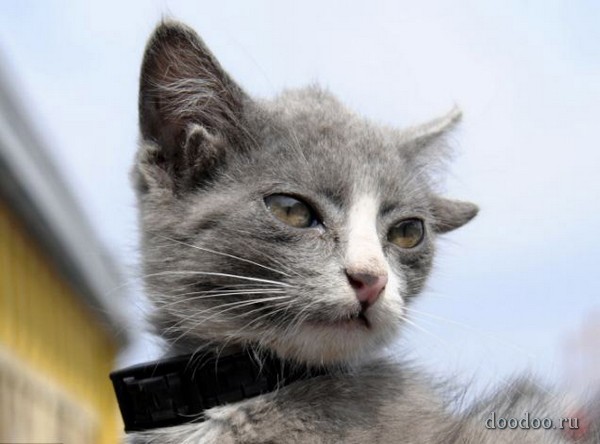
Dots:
(185, 99)
(451, 214)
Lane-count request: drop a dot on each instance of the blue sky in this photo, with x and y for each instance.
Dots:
(508, 289)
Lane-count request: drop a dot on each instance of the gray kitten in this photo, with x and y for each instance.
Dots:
(297, 228)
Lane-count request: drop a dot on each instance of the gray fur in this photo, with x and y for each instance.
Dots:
(221, 270)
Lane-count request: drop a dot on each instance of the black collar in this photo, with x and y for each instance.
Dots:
(177, 390)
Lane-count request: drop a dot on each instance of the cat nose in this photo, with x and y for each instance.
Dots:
(367, 286)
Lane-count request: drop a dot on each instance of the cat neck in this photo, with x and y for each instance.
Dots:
(214, 348)
(222, 349)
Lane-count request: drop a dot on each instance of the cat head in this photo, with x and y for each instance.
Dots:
(292, 225)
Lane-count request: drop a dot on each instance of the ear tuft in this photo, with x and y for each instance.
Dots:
(452, 214)
(202, 152)
(148, 173)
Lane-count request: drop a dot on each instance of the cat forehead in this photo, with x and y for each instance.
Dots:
(315, 114)
(310, 139)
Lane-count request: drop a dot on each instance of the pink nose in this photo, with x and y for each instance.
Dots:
(367, 286)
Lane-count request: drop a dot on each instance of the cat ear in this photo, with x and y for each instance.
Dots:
(426, 149)
(424, 135)
(451, 214)
(185, 99)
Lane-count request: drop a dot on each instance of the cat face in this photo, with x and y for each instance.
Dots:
(291, 224)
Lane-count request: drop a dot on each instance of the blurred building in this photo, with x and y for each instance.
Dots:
(61, 315)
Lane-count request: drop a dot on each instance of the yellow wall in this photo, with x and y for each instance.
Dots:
(47, 325)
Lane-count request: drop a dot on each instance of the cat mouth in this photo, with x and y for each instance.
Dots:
(355, 320)
(361, 318)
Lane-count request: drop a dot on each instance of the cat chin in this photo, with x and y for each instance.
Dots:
(338, 343)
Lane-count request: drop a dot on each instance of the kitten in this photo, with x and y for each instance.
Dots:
(295, 227)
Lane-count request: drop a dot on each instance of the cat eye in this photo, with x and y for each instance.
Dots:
(291, 211)
(407, 233)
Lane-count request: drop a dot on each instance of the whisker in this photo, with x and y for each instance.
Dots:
(300, 317)
(209, 310)
(441, 318)
(224, 254)
(233, 335)
(231, 306)
(216, 295)
(427, 332)
(471, 328)
(272, 259)
(210, 273)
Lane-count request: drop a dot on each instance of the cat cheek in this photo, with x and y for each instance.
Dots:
(396, 285)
